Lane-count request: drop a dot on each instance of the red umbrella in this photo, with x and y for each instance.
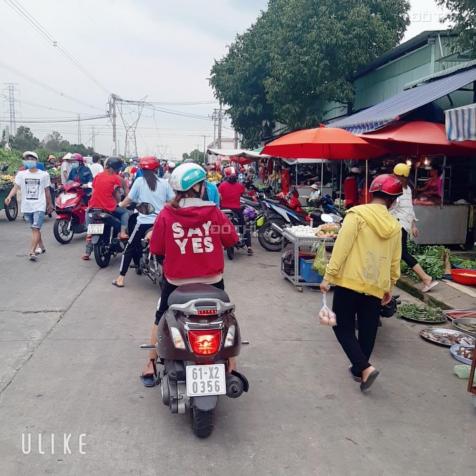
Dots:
(329, 143)
(323, 143)
(419, 138)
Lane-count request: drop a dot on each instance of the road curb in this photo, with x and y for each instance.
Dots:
(410, 287)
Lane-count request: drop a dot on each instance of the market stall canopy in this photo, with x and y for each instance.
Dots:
(461, 123)
(419, 138)
(392, 109)
(322, 142)
(304, 161)
(249, 154)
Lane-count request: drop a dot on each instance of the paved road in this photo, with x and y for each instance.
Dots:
(70, 359)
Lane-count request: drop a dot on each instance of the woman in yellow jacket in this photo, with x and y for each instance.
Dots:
(364, 267)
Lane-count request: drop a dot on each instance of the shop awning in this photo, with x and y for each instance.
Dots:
(461, 123)
(392, 109)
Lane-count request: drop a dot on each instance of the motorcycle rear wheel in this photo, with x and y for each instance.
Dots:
(11, 211)
(202, 422)
(269, 238)
(101, 254)
(60, 229)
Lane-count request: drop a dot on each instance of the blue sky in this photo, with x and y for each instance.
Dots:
(159, 49)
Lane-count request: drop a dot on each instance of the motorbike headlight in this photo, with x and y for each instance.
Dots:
(230, 336)
(177, 338)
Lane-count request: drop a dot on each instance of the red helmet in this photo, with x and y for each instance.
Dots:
(149, 163)
(230, 171)
(387, 184)
(77, 158)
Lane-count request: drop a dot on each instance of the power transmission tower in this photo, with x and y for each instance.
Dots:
(11, 107)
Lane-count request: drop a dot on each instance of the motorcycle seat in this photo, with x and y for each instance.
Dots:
(189, 292)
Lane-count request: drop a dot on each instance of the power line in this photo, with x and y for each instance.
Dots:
(23, 12)
(54, 121)
(46, 86)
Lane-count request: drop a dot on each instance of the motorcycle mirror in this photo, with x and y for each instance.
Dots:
(145, 208)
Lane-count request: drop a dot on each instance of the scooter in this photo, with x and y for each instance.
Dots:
(249, 216)
(101, 229)
(196, 338)
(150, 265)
(71, 208)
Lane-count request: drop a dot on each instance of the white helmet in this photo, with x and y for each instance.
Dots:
(68, 156)
(185, 176)
(171, 165)
(29, 153)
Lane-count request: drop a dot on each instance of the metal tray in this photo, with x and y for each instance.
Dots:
(454, 352)
(424, 321)
(445, 337)
(461, 323)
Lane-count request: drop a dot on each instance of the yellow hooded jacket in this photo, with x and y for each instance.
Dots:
(367, 252)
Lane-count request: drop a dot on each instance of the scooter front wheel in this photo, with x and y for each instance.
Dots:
(63, 231)
(102, 254)
(202, 422)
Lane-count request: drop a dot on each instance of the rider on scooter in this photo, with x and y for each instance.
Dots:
(82, 174)
(230, 192)
(148, 188)
(190, 234)
(107, 190)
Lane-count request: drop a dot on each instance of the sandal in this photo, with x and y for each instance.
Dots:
(366, 384)
(32, 257)
(149, 380)
(85, 257)
(429, 287)
(115, 283)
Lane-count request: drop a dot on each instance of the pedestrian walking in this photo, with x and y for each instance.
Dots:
(34, 185)
(402, 210)
(364, 267)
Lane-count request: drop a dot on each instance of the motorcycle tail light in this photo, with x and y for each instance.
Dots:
(205, 342)
(230, 336)
(207, 312)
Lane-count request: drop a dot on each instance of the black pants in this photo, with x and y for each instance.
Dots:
(347, 305)
(167, 290)
(244, 228)
(133, 249)
(406, 256)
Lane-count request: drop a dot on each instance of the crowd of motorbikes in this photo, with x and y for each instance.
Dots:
(199, 332)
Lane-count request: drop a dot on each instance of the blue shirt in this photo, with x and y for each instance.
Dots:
(212, 193)
(141, 193)
(82, 174)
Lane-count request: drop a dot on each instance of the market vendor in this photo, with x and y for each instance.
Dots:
(351, 188)
(433, 188)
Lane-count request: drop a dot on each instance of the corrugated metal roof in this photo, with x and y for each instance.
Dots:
(391, 109)
(461, 123)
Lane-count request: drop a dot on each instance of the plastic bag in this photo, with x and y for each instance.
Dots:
(320, 261)
(326, 316)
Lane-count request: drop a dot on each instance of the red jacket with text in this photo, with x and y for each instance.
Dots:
(191, 239)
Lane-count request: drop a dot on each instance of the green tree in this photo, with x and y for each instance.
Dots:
(238, 81)
(298, 56)
(24, 139)
(462, 15)
(55, 142)
(196, 155)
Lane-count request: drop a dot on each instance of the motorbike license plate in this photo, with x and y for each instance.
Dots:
(96, 229)
(203, 380)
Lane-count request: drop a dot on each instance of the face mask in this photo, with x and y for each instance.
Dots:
(29, 164)
(74, 165)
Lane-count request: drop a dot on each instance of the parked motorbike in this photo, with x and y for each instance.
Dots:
(105, 244)
(249, 216)
(196, 337)
(71, 208)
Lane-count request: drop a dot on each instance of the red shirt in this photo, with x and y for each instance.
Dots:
(351, 192)
(104, 185)
(230, 194)
(191, 239)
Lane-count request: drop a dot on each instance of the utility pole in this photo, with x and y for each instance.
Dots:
(214, 119)
(236, 140)
(205, 149)
(79, 129)
(220, 120)
(93, 137)
(11, 106)
(113, 115)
